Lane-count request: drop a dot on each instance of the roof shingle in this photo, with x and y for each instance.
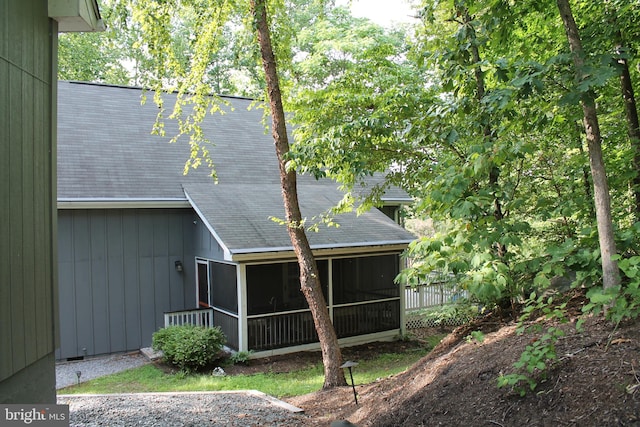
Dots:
(106, 152)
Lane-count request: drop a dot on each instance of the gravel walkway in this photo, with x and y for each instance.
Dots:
(241, 409)
(235, 409)
(90, 368)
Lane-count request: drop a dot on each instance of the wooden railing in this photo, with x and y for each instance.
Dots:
(431, 294)
(286, 329)
(366, 318)
(292, 328)
(267, 332)
(197, 317)
(228, 323)
(437, 293)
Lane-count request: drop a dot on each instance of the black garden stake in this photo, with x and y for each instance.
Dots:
(349, 364)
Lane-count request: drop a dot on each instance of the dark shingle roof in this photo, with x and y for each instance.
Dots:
(245, 223)
(106, 152)
(106, 149)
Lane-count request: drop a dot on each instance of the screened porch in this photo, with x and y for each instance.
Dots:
(361, 296)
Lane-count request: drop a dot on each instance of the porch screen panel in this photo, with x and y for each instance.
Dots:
(365, 278)
(273, 288)
(224, 293)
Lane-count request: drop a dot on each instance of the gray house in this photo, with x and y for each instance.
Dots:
(142, 245)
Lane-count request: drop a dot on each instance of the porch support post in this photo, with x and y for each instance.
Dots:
(243, 335)
(403, 302)
(330, 288)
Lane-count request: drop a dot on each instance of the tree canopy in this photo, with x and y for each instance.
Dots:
(477, 115)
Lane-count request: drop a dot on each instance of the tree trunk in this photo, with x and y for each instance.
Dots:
(633, 128)
(309, 276)
(610, 272)
(585, 171)
(494, 171)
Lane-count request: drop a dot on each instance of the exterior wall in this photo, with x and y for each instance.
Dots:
(34, 385)
(28, 41)
(117, 276)
(117, 279)
(206, 246)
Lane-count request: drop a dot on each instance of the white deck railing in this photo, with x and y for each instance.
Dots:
(440, 291)
(430, 295)
(198, 317)
(437, 293)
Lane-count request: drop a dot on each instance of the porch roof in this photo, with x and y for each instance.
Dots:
(244, 225)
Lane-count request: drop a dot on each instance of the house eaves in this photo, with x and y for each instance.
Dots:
(76, 15)
(396, 201)
(287, 253)
(241, 219)
(207, 224)
(120, 203)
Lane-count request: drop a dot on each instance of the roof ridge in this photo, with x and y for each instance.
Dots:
(140, 88)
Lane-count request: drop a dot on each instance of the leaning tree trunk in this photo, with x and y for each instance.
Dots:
(309, 276)
(610, 272)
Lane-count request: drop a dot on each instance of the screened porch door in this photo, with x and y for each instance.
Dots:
(204, 294)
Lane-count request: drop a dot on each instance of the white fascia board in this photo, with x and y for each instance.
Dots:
(76, 15)
(392, 201)
(109, 203)
(262, 254)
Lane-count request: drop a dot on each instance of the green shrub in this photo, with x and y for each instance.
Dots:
(241, 357)
(189, 347)
(618, 302)
(452, 314)
(538, 357)
(534, 364)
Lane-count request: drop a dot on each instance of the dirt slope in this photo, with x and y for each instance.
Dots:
(594, 383)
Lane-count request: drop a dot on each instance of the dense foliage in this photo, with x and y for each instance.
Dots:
(189, 347)
(477, 115)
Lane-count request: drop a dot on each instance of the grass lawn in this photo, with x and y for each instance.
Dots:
(149, 378)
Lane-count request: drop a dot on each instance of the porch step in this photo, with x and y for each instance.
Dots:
(151, 354)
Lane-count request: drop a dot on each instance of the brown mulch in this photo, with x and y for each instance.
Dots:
(304, 359)
(595, 382)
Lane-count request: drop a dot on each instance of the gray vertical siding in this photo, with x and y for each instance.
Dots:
(27, 249)
(117, 276)
(132, 310)
(115, 273)
(206, 246)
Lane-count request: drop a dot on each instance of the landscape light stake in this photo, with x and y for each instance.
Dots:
(78, 373)
(349, 364)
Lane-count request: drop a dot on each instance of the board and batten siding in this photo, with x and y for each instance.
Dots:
(117, 276)
(28, 39)
(206, 246)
